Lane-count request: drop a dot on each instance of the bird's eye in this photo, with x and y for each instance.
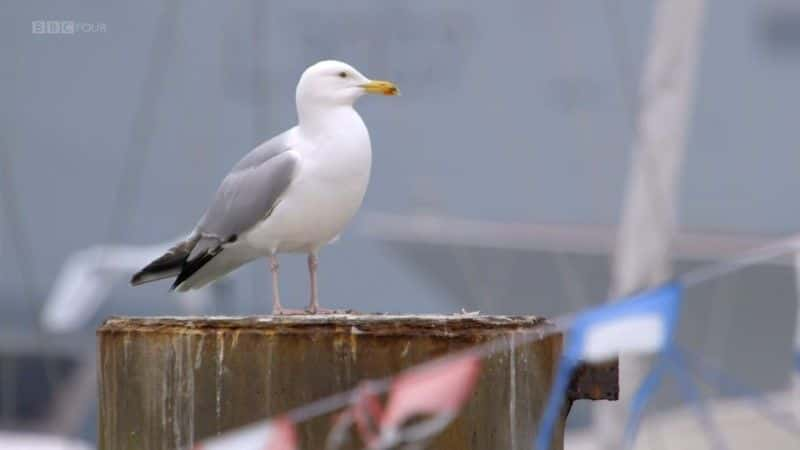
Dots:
(342, 74)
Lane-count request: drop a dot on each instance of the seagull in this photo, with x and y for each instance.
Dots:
(293, 193)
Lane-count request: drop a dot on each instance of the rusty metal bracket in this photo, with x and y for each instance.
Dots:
(595, 382)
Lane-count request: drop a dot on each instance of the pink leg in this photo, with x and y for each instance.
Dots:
(277, 309)
(313, 306)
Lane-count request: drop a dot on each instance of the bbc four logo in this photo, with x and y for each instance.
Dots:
(65, 27)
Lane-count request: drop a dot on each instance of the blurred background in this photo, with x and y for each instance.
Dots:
(498, 177)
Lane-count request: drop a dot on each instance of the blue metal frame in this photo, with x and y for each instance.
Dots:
(663, 301)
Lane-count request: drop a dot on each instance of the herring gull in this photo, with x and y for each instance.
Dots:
(292, 194)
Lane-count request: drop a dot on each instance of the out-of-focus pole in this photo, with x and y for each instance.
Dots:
(796, 366)
(643, 256)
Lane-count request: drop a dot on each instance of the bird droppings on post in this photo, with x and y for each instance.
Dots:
(439, 324)
(220, 367)
(125, 344)
(198, 361)
(235, 338)
(173, 387)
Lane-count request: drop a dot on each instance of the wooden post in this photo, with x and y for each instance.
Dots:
(166, 383)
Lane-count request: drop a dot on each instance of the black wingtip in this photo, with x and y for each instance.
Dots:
(190, 267)
(141, 277)
(148, 275)
(166, 266)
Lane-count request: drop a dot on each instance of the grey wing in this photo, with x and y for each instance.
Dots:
(244, 198)
(247, 196)
(264, 152)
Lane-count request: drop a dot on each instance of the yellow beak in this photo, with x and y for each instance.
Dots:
(381, 87)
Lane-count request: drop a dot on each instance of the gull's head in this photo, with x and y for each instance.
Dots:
(336, 83)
